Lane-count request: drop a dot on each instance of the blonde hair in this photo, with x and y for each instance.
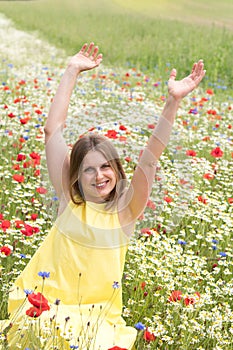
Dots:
(95, 142)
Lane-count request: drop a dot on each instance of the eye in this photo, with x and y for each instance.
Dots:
(105, 166)
(89, 170)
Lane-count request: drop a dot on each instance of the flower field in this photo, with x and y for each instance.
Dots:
(177, 284)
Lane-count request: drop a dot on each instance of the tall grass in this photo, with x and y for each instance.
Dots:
(127, 37)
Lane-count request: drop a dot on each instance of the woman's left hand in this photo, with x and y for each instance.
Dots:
(180, 88)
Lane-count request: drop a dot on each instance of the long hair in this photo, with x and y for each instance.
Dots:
(94, 142)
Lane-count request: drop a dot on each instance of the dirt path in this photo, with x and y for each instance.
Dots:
(22, 49)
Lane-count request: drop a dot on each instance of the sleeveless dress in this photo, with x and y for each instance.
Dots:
(84, 253)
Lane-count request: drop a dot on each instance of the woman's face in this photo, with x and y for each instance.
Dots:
(97, 177)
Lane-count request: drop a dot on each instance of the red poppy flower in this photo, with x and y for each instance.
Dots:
(41, 190)
(208, 176)
(192, 300)
(216, 152)
(5, 224)
(191, 153)
(29, 230)
(34, 312)
(128, 159)
(24, 120)
(148, 336)
(19, 223)
(201, 199)
(230, 200)
(122, 127)
(37, 172)
(39, 301)
(151, 126)
(18, 178)
(20, 157)
(34, 216)
(111, 134)
(209, 91)
(175, 296)
(168, 199)
(11, 115)
(5, 250)
(117, 348)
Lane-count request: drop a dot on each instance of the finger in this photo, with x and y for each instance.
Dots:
(194, 67)
(95, 53)
(83, 49)
(89, 48)
(173, 74)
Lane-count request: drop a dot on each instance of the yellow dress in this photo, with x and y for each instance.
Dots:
(84, 254)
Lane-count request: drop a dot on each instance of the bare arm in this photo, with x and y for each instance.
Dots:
(145, 172)
(56, 148)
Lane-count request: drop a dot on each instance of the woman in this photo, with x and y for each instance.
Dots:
(85, 250)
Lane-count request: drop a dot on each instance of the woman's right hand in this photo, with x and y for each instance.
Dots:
(87, 58)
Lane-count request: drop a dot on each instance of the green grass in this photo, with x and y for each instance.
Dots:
(131, 36)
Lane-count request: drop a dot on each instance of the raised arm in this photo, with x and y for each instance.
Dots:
(144, 174)
(56, 148)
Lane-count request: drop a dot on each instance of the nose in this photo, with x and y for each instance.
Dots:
(98, 173)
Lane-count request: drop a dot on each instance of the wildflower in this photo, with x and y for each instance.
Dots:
(223, 254)
(28, 291)
(39, 301)
(41, 190)
(117, 348)
(34, 312)
(111, 134)
(44, 274)
(20, 157)
(176, 295)
(181, 242)
(216, 152)
(168, 199)
(34, 216)
(5, 250)
(139, 326)
(208, 176)
(74, 346)
(191, 153)
(148, 336)
(5, 224)
(29, 230)
(116, 285)
(19, 178)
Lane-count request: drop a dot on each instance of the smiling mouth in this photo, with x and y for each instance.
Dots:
(101, 184)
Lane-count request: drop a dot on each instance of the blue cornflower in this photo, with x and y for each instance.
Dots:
(28, 291)
(44, 274)
(116, 285)
(139, 326)
(215, 241)
(223, 254)
(23, 256)
(181, 242)
(214, 247)
(73, 346)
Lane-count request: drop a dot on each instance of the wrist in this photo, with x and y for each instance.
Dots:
(73, 70)
(174, 100)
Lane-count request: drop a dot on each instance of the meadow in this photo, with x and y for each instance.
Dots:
(177, 283)
(171, 35)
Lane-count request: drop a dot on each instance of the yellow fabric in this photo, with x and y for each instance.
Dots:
(85, 254)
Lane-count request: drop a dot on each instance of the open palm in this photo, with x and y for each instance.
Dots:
(180, 88)
(87, 58)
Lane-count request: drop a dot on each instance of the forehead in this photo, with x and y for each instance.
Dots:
(94, 159)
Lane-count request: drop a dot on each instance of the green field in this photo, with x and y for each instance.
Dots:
(150, 35)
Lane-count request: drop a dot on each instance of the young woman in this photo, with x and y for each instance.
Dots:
(85, 249)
